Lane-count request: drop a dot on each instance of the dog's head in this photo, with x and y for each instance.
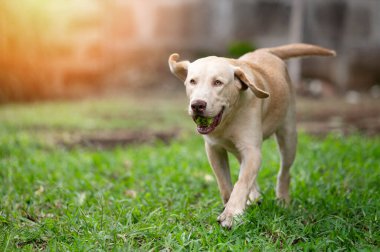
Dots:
(213, 86)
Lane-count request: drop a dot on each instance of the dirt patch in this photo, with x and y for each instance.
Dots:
(112, 139)
(318, 117)
(322, 117)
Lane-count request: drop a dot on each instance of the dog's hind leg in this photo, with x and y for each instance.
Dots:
(286, 138)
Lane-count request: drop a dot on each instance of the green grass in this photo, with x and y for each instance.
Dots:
(157, 196)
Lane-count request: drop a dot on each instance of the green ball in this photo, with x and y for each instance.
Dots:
(203, 121)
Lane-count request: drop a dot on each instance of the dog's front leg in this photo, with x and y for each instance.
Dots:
(218, 160)
(250, 164)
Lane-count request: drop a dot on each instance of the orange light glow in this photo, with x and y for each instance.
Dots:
(55, 42)
(33, 29)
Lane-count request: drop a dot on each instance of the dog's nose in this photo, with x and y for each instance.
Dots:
(198, 106)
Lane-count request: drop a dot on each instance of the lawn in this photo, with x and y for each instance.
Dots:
(60, 194)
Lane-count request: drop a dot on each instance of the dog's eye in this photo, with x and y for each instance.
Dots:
(192, 82)
(218, 83)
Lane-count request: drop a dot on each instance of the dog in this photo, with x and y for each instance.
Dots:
(237, 104)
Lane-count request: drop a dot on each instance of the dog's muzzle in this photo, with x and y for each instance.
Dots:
(205, 125)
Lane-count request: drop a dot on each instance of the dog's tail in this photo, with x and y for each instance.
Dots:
(300, 50)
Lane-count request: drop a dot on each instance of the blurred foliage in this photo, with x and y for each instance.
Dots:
(239, 48)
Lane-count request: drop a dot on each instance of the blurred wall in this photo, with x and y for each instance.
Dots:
(59, 48)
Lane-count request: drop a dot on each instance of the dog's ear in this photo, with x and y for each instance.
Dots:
(179, 69)
(252, 83)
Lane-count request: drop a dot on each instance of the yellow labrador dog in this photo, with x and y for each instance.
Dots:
(236, 104)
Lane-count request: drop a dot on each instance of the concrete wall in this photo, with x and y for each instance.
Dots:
(351, 27)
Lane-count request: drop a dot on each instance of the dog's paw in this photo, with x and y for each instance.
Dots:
(283, 200)
(226, 219)
(254, 198)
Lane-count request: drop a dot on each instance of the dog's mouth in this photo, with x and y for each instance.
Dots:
(206, 125)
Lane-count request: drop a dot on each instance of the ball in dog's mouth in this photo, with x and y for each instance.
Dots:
(206, 125)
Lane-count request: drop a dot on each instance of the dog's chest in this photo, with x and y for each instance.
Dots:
(224, 143)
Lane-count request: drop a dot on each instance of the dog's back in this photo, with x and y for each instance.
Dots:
(268, 63)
